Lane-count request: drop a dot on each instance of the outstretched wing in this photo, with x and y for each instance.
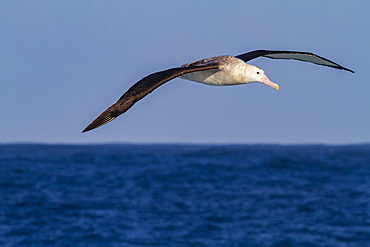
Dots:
(141, 89)
(296, 55)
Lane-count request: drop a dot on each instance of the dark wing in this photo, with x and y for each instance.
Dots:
(141, 89)
(296, 55)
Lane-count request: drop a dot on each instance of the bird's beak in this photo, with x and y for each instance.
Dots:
(269, 83)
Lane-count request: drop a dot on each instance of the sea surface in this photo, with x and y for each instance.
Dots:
(184, 195)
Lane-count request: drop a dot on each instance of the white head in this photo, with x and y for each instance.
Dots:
(255, 74)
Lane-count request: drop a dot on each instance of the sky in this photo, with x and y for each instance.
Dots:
(62, 63)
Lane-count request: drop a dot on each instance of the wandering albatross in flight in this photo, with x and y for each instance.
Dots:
(220, 70)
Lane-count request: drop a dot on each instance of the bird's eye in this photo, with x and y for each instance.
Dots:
(258, 72)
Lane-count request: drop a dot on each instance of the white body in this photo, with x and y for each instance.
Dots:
(232, 71)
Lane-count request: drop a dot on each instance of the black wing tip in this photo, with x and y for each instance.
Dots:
(91, 126)
(99, 121)
(348, 69)
(102, 119)
(88, 128)
(342, 68)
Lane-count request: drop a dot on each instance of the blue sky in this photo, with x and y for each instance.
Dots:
(64, 62)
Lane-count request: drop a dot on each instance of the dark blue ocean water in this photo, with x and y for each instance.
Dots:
(184, 195)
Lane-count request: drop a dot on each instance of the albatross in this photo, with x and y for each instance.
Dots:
(215, 71)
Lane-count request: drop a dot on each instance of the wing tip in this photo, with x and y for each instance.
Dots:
(348, 70)
(88, 128)
(335, 65)
(97, 123)
(105, 117)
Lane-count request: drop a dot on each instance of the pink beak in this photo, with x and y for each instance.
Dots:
(269, 83)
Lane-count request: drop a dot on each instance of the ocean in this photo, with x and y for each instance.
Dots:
(184, 195)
